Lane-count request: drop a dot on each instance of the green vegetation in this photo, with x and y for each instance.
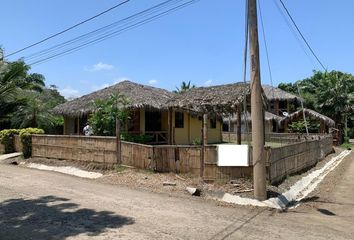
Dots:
(329, 93)
(103, 119)
(142, 138)
(7, 138)
(300, 126)
(26, 140)
(25, 101)
(120, 168)
(184, 87)
(197, 142)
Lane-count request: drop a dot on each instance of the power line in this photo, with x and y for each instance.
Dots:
(266, 47)
(113, 34)
(296, 36)
(302, 36)
(103, 30)
(119, 32)
(69, 28)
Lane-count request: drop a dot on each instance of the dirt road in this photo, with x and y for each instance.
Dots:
(46, 205)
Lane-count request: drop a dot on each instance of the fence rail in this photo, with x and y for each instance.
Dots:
(280, 161)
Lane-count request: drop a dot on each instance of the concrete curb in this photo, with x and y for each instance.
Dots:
(291, 198)
(10, 155)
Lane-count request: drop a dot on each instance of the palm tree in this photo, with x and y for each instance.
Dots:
(184, 87)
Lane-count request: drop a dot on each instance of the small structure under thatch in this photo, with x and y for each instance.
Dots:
(281, 101)
(271, 120)
(325, 122)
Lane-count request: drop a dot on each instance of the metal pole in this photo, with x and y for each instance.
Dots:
(259, 168)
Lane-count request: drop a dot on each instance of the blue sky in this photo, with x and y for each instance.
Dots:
(202, 43)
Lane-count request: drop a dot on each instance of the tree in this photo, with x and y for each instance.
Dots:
(184, 87)
(103, 118)
(329, 93)
(24, 99)
(35, 111)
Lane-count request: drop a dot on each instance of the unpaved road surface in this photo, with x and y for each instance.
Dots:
(37, 204)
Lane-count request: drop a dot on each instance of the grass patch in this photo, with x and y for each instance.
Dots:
(347, 145)
(120, 168)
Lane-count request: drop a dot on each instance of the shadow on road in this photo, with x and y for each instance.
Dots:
(51, 217)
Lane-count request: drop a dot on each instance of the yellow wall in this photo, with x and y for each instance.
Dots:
(214, 134)
(181, 134)
(142, 120)
(192, 130)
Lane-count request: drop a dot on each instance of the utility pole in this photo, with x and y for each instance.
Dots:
(259, 168)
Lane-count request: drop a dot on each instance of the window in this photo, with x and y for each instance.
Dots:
(213, 122)
(179, 120)
(152, 121)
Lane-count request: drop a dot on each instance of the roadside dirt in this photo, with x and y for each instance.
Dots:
(48, 205)
(171, 183)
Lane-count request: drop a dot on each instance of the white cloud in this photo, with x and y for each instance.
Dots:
(208, 83)
(69, 92)
(153, 81)
(99, 67)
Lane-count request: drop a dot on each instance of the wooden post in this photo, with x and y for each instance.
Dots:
(259, 168)
(229, 129)
(205, 142)
(238, 125)
(118, 142)
(78, 126)
(170, 131)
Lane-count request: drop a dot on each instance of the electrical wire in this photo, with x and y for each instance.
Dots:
(302, 36)
(133, 26)
(266, 48)
(292, 30)
(102, 31)
(245, 72)
(68, 29)
(114, 33)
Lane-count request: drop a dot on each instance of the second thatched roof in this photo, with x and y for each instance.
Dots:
(308, 113)
(268, 116)
(219, 99)
(138, 96)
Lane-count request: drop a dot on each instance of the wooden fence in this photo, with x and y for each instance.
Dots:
(297, 157)
(17, 145)
(281, 162)
(274, 137)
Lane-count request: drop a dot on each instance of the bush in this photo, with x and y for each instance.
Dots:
(7, 139)
(26, 140)
(142, 138)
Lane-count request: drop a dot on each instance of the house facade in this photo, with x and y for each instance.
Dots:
(150, 114)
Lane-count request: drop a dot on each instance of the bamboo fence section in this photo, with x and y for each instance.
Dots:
(281, 161)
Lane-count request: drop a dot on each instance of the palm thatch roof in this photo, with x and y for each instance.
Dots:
(268, 116)
(308, 113)
(138, 96)
(218, 99)
(274, 93)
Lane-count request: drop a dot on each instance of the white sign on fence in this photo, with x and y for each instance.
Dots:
(232, 155)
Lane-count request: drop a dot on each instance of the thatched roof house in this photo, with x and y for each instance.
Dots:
(219, 99)
(325, 122)
(138, 95)
(311, 114)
